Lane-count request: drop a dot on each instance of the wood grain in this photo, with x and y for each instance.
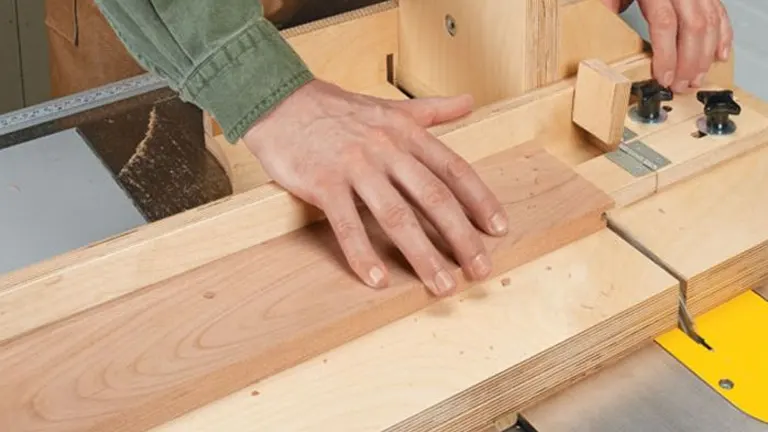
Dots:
(556, 318)
(178, 345)
(486, 57)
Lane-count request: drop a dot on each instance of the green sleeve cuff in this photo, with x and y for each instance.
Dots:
(245, 78)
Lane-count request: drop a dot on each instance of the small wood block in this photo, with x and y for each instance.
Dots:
(601, 102)
(146, 358)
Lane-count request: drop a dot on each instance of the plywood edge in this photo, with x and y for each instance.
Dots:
(543, 325)
(542, 43)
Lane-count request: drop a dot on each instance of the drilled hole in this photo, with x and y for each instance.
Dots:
(450, 25)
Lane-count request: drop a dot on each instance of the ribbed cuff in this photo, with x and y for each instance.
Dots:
(245, 78)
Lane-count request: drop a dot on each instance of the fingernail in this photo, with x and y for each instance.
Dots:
(444, 282)
(725, 53)
(376, 276)
(668, 77)
(698, 80)
(481, 265)
(499, 223)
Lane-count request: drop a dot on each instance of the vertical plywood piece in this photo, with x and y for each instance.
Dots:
(493, 49)
(601, 101)
(501, 49)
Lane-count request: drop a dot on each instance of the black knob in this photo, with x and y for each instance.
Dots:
(650, 95)
(719, 106)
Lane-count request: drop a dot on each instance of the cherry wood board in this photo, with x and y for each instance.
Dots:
(162, 351)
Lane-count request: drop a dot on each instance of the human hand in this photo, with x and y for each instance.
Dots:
(326, 145)
(687, 36)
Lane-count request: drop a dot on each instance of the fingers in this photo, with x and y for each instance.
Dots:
(699, 34)
(709, 41)
(339, 207)
(663, 29)
(401, 225)
(439, 205)
(475, 195)
(726, 33)
(688, 37)
(430, 112)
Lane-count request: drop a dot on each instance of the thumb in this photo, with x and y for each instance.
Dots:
(433, 111)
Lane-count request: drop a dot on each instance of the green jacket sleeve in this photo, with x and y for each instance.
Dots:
(221, 55)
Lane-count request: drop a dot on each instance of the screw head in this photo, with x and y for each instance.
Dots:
(726, 384)
(450, 25)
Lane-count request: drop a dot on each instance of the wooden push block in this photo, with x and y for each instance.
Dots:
(601, 101)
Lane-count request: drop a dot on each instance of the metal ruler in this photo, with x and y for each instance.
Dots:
(77, 103)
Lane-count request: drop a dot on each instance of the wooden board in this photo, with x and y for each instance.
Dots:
(178, 345)
(471, 356)
(432, 62)
(710, 229)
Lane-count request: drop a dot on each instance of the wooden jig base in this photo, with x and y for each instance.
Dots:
(241, 315)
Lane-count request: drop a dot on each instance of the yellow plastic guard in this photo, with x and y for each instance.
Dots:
(737, 366)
